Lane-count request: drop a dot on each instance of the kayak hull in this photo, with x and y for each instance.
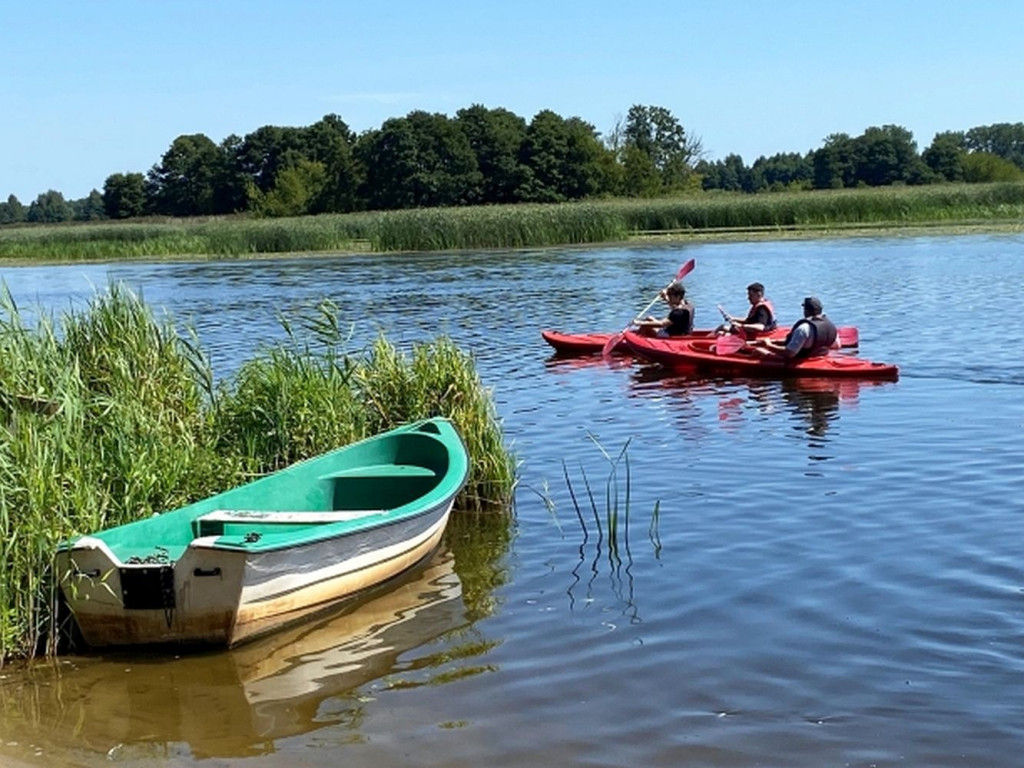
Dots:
(700, 355)
(593, 343)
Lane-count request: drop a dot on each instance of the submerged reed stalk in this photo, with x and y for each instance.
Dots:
(617, 502)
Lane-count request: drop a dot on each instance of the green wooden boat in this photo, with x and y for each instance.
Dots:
(254, 558)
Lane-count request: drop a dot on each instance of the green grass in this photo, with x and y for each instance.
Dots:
(886, 205)
(516, 226)
(111, 414)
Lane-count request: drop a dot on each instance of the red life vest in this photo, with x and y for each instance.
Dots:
(772, 323)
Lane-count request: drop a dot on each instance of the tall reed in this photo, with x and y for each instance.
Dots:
(439, 379)
(113, 415)
(294, 399)
(516, 226)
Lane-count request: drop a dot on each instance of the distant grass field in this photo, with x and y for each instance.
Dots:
(520, 226)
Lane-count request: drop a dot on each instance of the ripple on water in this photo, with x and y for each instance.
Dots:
(809, 576)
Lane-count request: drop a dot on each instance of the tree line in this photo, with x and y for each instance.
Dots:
(491, 156)
(878, 157)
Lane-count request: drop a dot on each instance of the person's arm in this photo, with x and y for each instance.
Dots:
(770, 348)
(650, 322)
(757, 320)
(787, 351)
(754, 322)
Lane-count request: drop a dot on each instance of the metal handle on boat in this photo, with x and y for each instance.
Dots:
(204, 572)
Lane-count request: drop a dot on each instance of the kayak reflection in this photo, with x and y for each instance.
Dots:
(238, 702)
(816, 402)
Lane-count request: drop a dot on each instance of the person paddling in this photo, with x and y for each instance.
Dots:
(811, 336)
(760, 318)
(678, 322)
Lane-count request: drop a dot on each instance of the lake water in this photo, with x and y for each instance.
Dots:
(824, 576)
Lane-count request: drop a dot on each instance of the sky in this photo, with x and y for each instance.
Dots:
(92, 89)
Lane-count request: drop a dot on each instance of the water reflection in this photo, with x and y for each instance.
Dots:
(814, 403)
(239, 702)
(566, 363)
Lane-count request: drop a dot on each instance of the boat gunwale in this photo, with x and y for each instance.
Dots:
(443, 493)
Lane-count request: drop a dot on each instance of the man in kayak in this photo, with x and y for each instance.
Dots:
(678, 322)
(760, 318)
(814, 335)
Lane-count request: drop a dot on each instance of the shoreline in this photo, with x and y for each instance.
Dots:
(651, 237)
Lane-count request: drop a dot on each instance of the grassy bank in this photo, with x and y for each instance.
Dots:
(521, 226)
(111, 414)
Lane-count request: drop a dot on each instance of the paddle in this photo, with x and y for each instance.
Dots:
(848, 335)
(728, 344)
(613, 342)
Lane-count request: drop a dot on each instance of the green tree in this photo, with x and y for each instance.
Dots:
(563, 159)
(1005, 140)
(985, 166)
(835, 163)
(124, 195)
(496, 137)
(656, 132)
(735, 176)
(945, 155)
(89, 208)
(230, 185)
(295, 192)
(387, 156)
(50, 207)
(12, 211)
(886, 155)
(785, 170)
(329, 142)
(640, 176)
(261, 154)
(417, 161)
(185, 182)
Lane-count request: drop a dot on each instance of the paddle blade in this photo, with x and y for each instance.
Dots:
(727, 345)
(686, 269)
(849, 336)
(611, 344)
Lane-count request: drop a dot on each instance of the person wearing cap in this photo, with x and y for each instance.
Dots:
(678, 322)
(760, 318)
(811, 336)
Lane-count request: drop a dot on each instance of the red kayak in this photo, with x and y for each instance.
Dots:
(593, 343)
(701, 355)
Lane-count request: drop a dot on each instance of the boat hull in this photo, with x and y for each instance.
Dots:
(246, 572)
(593, 343)
(700, 356)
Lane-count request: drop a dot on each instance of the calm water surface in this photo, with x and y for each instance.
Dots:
(801, 576)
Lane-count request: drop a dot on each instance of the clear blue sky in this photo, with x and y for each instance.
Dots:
(94, 88)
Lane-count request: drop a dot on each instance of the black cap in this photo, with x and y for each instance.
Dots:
(812, 304)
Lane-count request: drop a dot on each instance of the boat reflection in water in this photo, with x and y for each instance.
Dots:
(815, 402)
(238, 702)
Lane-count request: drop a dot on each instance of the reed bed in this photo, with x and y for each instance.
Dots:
(886, 206)
(499, 226)
(112, 414)
(516, 226)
